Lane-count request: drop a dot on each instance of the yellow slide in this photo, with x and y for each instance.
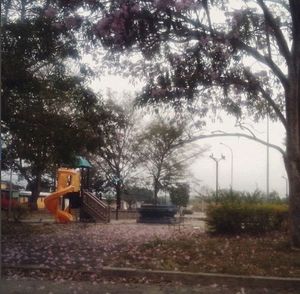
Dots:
(68, 181)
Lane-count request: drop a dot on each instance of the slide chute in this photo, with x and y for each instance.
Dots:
(68, 181)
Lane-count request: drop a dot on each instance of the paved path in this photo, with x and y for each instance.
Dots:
(32, 286)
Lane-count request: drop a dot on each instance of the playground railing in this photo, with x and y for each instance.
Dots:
(96, 208)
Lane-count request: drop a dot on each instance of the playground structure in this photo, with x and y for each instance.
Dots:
(68, 181)
(70, 185)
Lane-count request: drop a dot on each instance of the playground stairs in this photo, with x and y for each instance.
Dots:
(93, 209)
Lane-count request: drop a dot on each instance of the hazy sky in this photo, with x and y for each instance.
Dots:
(249, 157)
(249, 160)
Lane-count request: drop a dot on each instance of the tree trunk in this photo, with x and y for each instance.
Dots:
(292, 167)
(155, 190)
(118, 198)
(292, 160)
(35, 193)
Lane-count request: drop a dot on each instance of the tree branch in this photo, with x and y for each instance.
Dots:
(282, 44)
(221, 134)
(265, 60)
(268, 98)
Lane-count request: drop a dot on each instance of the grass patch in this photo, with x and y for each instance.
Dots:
(268, 255)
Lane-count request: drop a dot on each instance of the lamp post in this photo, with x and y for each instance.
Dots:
(217, 172)
(286, 186)
(231, 173)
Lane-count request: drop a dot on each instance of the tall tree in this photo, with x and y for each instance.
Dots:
(44, 106)
(162, 154)
(115, 157)
(243, 56)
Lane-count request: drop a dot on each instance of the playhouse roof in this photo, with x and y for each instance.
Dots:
(82, 162)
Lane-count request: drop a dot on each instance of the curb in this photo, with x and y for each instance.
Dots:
(205, 278)
(171, 276)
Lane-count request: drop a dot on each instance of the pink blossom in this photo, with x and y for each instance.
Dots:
(135, 8)
(214, 75)
(118, 25)
(156, 92)
(58, 25)
(203, 40)
(124, 10)
(163, 4)
(102, 26)
(72, 21)
(237, 15)
(50, 12)
(185, 4)
(226, 55)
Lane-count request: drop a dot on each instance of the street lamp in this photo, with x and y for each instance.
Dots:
(217, 172)
(231, 174)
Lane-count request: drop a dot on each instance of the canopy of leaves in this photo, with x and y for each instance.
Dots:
(201, 48)
(180, 194)
(162, 154)
(134, 194)
(116, 155)
(46, 110)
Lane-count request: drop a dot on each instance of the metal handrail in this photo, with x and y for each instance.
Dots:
(100, 210)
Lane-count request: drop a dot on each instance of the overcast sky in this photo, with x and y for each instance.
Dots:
(249, 157)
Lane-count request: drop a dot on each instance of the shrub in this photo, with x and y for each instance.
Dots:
(237, 218)
(257, 196)
(187, 211)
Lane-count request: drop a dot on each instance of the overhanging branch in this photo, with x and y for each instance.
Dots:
(282, 44)
(265, 60)
(221, 134)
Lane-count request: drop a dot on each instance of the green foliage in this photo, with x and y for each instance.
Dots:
(254, 218)
(133, 194)
(187, 211)
(162, 153)
(115, 157)
(46, 110)
(237, 212)
(238, 197)
(110, 199)
(180, 195)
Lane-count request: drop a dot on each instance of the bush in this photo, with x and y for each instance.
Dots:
(187, 211)
(238, 197)
(237, 218)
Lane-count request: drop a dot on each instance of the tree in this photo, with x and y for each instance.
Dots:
(116, 156)
(45, 108)
(242, 56)
(132, 194)
(42, 139)
(180, 194)
(162, 154)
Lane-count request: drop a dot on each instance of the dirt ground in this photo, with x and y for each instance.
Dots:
(90, 247)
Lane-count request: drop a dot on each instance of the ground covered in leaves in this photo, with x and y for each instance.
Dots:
(91, 246)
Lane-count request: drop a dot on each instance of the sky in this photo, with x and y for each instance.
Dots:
(249, 157)
(249, 160)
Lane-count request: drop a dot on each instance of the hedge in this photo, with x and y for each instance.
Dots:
(246, 218)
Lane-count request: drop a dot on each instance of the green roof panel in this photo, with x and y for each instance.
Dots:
(82, 162)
